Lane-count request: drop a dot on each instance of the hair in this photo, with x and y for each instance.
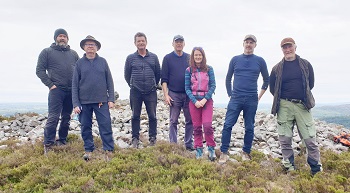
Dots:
(140, 34)
(203, 66)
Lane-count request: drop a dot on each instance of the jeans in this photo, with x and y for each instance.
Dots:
(202, 120)
(180, 100)
(150, 100)
(247, 104)
(59, 104)
(104, 125)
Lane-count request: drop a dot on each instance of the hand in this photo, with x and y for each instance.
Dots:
(53, 87)
(168, 100)
(77, 110)
(110, 104)
(198, 104)
(203, 101)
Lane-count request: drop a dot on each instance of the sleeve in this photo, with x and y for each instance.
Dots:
(110, 84)
(188, 86)
(265, 74)
(127, 70)
(229, 77)
(42, 67)
(212, 84)
(165, 72)
(75, 86)
(272, 81)
(158, 71)
(311, 76)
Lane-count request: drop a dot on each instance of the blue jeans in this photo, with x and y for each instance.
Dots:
(59, 104)
(247, 104)
(150, 100)
(180, 100)
(104, 126)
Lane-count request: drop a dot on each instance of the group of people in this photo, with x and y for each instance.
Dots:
(85, 85)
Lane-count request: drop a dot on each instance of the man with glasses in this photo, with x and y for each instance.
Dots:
(142, 73)
(246, 69)
(291, 82)
(173, 85)
(55, 69)
(93, 91)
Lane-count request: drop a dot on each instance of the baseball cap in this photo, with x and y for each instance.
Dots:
(250, 36)
(178, 37)
(287, 41)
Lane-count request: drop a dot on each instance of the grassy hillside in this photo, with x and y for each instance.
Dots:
(162, 168)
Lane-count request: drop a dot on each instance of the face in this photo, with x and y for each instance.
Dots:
(198, 57)
(249, 46)
(140, 43)
(289, 51)
(178, 45)
(62, 40)
(90, 47)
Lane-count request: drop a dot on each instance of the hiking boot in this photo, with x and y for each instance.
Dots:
(47, 148)
(245, 156)
(211, 153)
(223, 158)
(135, 143)
(190, 148)
(152, 141)
(199, 152)
(87, 156)
(60, 143)
(108, 155)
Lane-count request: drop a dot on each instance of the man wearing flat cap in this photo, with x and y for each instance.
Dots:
(242, 90)
(291, 81)
(93, 91)
(173, 86)
(55, 69)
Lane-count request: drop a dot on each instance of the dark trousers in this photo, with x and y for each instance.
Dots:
(104, 125)
(150, 100)
(60, 104)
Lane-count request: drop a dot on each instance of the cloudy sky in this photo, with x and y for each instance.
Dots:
(320, 28)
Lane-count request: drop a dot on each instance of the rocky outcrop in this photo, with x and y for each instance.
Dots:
(30, 129)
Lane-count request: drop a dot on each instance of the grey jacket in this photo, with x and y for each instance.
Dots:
(309, 101)
(56, 65)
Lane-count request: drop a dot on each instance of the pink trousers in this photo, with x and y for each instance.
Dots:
(202, 118)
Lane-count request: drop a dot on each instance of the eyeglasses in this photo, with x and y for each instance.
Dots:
(90, 45)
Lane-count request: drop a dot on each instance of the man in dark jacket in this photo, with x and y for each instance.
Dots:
(55, 69)
(291, 81)
(142, 73)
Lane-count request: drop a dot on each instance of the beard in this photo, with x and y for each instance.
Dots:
(62, 43)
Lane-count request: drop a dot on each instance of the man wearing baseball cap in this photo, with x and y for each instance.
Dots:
(55, 69)
(291, 81)
(246, 69)
(173, 86)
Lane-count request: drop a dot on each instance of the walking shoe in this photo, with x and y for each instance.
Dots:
(60, 143)
(135, 143)
(223, 158)
(87, 156)
(190, 148)
(211, 153)
(152, 141)
(108, 155)
(199, 152)
(47, 148)
(245, 156)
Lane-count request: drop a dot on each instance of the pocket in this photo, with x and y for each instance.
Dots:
(311, 129)
(281, 127)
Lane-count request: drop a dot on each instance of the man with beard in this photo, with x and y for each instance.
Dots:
(55, 69)
(246, 69)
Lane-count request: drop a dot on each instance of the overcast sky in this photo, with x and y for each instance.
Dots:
(321, 29)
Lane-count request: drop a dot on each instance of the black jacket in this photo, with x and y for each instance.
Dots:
(56, 65)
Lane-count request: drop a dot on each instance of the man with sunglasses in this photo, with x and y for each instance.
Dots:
(173, 86)
(55, 69)
(246, 69)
